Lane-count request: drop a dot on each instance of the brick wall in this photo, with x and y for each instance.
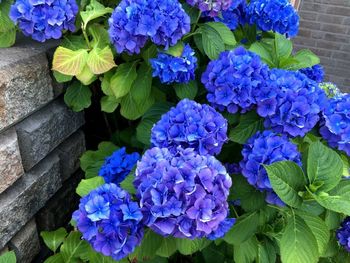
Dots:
(40, 145)
(325, 29)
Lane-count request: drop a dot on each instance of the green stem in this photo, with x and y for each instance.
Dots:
(85, 36)
(190, 34)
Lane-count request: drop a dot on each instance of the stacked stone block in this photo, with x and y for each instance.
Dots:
(325, 29)
(40, 144)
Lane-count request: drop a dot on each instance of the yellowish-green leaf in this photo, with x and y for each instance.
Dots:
(101, 60)
(86, 76)
(87, 185)
(69, 62)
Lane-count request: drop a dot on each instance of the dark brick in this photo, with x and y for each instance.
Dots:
(334, 28)
(338, 10)
(331, 19)
(309, 16)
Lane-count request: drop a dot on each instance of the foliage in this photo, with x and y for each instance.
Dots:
(8, 257)
(154, 66)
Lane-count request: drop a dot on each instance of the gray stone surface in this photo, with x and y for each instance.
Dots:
(25, 83)
(26, 243)
(58, 210)
(10, 159)
(43, 131)
(20, 202)
(69, 152)
(325, 29)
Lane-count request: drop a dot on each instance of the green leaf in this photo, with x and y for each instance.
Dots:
(106, 83)
(94, 10)
(100, 37)
(306, 59)
(245, 227)
(74, 248)
(192, 11)
(246, 252)
(143, 130)
(298, 244)
(69, 62)
(332, 219)
(8, 38)
(54, 239)
(127, 183)
(7, 27)
(109, 103)
(324, 166)
(149, 53)
(132, 110)
(319, 229)
(74, 42)
(86, 77)
(167, 248)
(287, 179)
(87, 185)
(249, 124)
(188, 246)
(55, 259)
(188, 90)
(101, 60)
(142, 86)
(266, 252)
(259, 49)
(99, 258)
(61, 78)
(148, 248)
(337, 203)
(283, 46)
(225, 33)
(346, 164)
(212, 42)
(8, 257)
(91, 161)
(78, 96)
(175, 51)
(123, 79)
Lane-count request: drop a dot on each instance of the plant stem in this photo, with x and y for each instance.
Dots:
(85, 36)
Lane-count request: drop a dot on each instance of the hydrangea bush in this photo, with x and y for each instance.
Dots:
(233, 149)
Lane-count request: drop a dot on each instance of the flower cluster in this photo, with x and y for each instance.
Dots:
(335, 128)
(133, 22)
(44, 19)
(330, 89)
(213, 7)
(276, 15)
(191, 125)
(184, 194)
(343, 234)
(315, 73)
(110, 221)
(233, 79)
(234, 16)
(291, 102)
(171, 69)
(265, 148)
(118, 166)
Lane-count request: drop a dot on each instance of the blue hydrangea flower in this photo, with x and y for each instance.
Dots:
(213, 7)
(315, 73)
(183, 194)
(234, 16)
(335, 127)
(133, 22)
(290, 103)
(110, 221)
(118, 166)
(330, 89)
(44, 19)
(171, 69)
(343, 234)
(265, 148)
(233, 168)
(193, 125)
(233, 80)
(276, 15)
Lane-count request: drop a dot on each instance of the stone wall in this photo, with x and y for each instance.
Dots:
(40, 144)
(325, 29)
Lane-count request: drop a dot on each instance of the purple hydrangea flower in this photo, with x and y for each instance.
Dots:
(234, 16)
(193, 125)
(335, 127)
(330, 89)
(133, 22)
(44, 19)
(343, 234)
(213, 7)
(290, 103)
(315, 73)
(266, 148)
(184, 194)
(110, 221)
(171, 69)
(233, 80)
(118, 166)
(276, 15)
